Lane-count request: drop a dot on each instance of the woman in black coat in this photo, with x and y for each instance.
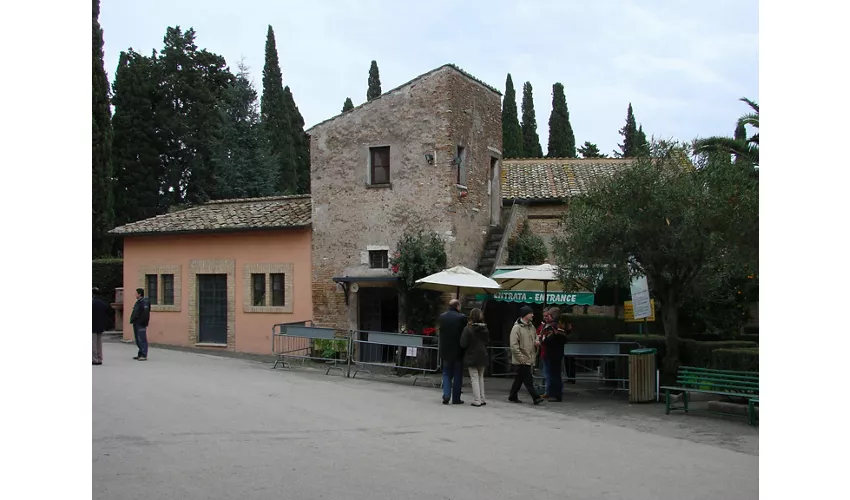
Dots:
(554, 343)
(474, 341)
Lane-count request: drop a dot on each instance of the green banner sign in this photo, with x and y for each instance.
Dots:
(554, 298)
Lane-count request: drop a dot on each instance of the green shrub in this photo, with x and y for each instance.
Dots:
(698, 354)
(107, 275)
(527, 249)
(589, 328)
(329, 349)
(735, 359)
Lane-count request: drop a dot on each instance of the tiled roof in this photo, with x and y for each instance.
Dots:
(449, 65)
(272, 212)
(555, 178)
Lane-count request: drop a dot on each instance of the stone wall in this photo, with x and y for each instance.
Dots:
(431, 115)
(544, 220)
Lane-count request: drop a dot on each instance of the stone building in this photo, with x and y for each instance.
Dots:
(535, 191)
(219, 275)
(425, 155)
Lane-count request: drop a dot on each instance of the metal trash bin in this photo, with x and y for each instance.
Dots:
(642, 375)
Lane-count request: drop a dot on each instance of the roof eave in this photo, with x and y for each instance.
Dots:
(208, 231)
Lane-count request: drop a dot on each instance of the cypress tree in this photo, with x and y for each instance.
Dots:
(562, 142)
(300, 142)
(347, 105)
(193, 82)
(511, 131)
(590, 150)
(641, 144)
(276, 121)
(634, 140)
(137, 146)
(242, 168)
(374, 90)
(530, 140)
(102, 136)
(627, 148)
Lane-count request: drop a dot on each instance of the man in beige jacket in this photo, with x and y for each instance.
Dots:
(524, 345)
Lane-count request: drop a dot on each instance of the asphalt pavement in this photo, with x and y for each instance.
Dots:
(193, 426)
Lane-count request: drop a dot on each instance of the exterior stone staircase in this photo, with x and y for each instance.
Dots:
(486, 263)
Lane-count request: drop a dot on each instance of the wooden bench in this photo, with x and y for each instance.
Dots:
(728, 383)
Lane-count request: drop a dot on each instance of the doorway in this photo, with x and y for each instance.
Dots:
(495, 192)
(212, 308)
(378, 312)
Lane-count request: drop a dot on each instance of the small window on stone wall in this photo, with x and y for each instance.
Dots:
(379, 259)
(460, 162)
(258, 290)
(278, 296)
(379, 165)
(168, 289)
(151, 289)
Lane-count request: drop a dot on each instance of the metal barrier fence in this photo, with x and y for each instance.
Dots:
(603, 362)
(300, 341)
(500, 361)
(394, 352)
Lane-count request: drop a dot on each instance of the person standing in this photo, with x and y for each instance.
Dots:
(100, 312)
(474, 341)
(452, 323)
(553, 343)
(139, 318)
(542, 331)
(523, 350)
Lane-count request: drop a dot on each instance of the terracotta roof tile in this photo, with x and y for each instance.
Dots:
(273, 212)
(554, 178)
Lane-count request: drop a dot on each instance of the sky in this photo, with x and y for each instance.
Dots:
(682, 65)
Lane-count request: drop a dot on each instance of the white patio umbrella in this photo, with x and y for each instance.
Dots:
(456, 279)
(532, 278)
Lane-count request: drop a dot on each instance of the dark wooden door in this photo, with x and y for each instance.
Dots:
(212, 308)
(378, 313)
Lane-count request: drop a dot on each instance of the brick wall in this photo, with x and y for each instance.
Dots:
(432, 115)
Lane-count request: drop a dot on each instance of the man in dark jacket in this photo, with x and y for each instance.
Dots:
(100, 312)
(452, 323)
(139, 318)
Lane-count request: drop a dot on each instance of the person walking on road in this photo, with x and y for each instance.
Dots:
(139, 318)
(523, 350)
(452, 323)
(474, 341)
(100, 312)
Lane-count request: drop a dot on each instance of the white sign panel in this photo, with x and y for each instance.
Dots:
(411, 351)
(640, 298)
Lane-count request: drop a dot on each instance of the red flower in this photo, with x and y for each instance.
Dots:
(395, 269)
(429, 331)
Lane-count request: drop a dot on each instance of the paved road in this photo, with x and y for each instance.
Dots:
(193, 426)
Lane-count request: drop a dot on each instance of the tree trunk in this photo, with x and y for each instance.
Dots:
(670, 317)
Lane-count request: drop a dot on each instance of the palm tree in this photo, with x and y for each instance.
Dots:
(744, 149)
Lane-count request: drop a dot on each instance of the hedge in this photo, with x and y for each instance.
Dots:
(699, 353)
(735, 359)
(107, 275)
(590, 328)
(692, 352)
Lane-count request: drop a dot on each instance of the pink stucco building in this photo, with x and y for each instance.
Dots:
(220, 275)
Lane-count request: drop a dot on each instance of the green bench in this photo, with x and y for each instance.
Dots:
(728, 383)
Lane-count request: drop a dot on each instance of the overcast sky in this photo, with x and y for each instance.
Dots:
(682, 65)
